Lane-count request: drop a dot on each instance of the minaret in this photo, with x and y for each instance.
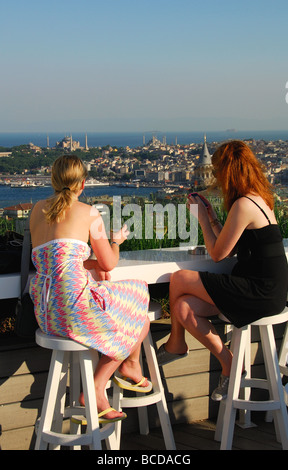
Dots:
(47, 141)
(71, 143)
(86, 142)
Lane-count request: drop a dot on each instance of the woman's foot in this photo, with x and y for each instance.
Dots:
(221, 391)
(132, 369)
(165, 357)
(102, 405)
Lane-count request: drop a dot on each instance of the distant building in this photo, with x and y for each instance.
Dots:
(141, 174)
(34, 148)
(17, 211)
(202, 174)
(5, 154)
(68, 143)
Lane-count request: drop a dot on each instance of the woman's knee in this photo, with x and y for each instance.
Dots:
(176, 280)
(182, 309)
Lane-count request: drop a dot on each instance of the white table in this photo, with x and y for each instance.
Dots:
(156, 266)
(152, 266)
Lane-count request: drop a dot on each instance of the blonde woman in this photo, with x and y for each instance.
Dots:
(110, 317)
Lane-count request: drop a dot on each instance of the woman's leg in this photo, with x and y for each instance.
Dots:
(106, 368)
(131, 366)
(192, 314)
(190, 306)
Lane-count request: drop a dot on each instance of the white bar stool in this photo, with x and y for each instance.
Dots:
(67, 356)
(283, 361)
(141, 401)
(276, 404)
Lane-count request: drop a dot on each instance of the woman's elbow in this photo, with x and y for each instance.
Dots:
(108, 266)
(216, 257)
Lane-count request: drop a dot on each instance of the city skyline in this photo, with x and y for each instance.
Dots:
(129, 65)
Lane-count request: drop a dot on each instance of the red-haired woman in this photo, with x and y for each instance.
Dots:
(257, 286)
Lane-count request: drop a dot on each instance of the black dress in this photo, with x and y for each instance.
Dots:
(257, 286)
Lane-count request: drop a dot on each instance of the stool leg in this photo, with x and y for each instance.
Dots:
(87, 374)
(283, 359)
(221, 411)
(50, 398)
(143, 412)
(116, 403)
(275, 383)
(283, 355)
(240, 341)
(59, 410)
(74, 391)
(157, 385)
(245, 415)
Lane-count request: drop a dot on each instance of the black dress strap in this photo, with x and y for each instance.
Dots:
(259, 208)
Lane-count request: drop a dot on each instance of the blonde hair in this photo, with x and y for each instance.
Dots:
(68, 173)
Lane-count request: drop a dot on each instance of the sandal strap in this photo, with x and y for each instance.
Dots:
(105, 412)
(138, 384)
(141, 382)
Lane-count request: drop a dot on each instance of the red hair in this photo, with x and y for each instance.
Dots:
(239, 173)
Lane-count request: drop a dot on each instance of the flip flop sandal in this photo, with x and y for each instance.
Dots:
(129, 384)
(164, 357)
(83, 420)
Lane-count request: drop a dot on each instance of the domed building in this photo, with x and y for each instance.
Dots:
(68, 143)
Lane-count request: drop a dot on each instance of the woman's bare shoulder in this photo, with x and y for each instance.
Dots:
(38, 207)
(83, 206)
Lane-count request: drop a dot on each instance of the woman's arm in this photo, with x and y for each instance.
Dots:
(96, 270)
(107, 254)
(221, 241)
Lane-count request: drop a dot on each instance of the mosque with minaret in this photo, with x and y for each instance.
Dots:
(69, 144)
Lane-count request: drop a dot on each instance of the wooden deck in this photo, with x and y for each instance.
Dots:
(200, 436)
(187, 383)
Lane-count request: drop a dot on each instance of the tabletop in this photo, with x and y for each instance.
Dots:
(152, 266)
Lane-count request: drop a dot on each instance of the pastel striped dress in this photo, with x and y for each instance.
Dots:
(103, 315)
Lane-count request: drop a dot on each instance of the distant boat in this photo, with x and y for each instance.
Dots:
(26, 184)
(93, 182)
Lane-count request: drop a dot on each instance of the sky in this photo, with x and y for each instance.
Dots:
(139, 65)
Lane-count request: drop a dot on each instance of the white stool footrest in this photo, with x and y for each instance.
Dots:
(56, 438)
(264, 405)
(132, 402)
(255, 383)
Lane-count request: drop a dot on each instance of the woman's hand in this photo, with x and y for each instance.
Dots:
(204, 206)
(121, 236)
(200, 201)
(97, 272)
